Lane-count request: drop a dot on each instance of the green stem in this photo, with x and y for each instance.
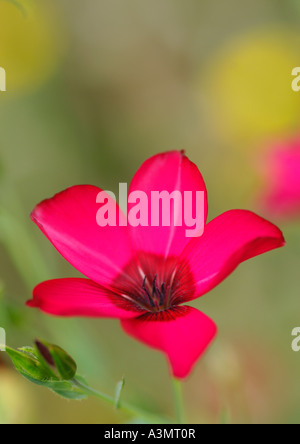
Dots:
(125, 407)
(178, 400)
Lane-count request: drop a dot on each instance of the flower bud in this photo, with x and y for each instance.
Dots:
(56, 359)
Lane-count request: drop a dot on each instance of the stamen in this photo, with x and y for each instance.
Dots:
(158, 297)
(162, 294)
(154, 285)
(157, 292)
(147, 292)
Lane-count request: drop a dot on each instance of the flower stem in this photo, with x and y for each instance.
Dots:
(178, 400)
(125, 407)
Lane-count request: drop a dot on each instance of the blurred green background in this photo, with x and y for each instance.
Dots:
(93, 89)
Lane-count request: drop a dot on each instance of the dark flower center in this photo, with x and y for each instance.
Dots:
(153, 283)
(156, 295)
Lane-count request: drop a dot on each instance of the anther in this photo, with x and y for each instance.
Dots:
(162, 294)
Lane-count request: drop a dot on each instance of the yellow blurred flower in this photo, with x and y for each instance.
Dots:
(31, 43)
(249, 86)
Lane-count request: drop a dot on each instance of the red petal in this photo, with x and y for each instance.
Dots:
(171, 171)
(183, 334)
(69, 222)
(80, 297)
(228, 240)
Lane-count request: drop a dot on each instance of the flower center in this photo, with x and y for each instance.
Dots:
(153, 283)
(156, 295)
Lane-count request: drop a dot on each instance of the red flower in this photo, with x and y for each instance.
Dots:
(281, 171)
(143, 275)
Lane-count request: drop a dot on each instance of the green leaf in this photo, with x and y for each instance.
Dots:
(118, 392)
(28, 365)
(66, 389)
(29, 351)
